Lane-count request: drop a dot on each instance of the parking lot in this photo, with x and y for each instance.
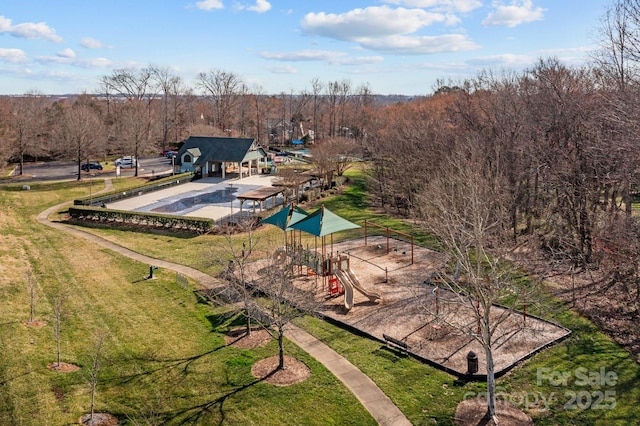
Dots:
(68, 170)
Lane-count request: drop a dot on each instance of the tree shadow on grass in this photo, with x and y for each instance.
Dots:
(197, 414)
(209, 412)
(165, 366)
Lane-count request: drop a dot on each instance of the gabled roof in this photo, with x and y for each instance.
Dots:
(194, 152)
(236, 150)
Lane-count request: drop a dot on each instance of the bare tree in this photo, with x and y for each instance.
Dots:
(467, 208)
(172, 91)
(27, 125)
(134, 93)
(31, 285)
(284, 299)
(235, 260)
(617, 63)
(82, 130)
(95, 370)
(260, 106)
(292, 179)
(58, 316)
(135, 128)
(316, 91)
(223, 88)
(333, 155)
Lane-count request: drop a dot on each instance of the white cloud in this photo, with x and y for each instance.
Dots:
(13, 56)
(328, 56)
(91, 43)
(282, 69)
(303, 55)
(388, 30)
(516, 13)
(210, 4)
(369, 22)
(67, 53)
(76, 62)
(440, 5)
(359, 60)
(261, 6)
(504, 60)
(29, 30)
(420, 45)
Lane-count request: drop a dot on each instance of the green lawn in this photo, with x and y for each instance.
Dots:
(165, 361)
(165, 357)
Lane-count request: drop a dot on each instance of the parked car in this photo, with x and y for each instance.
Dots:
(85, 167)
(129, 161)
(168, 153)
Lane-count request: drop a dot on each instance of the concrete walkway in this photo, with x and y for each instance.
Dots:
(366, 391)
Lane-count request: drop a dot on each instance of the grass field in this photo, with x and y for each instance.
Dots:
(165, 361)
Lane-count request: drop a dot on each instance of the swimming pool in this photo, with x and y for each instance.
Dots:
(220, 196)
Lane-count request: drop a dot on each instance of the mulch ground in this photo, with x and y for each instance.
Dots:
(266, 369)
(239, 338)
(99, 419)
(63, 367)
(471, 412)
(35, 323)
(385, 267)
(294, 371)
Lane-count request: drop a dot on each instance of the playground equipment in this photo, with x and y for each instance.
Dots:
(340, 268)
(321, 223)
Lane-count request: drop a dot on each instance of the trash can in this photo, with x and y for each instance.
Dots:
(472, 363)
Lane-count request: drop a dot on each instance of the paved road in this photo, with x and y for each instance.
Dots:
(366, 391)
(68, 170)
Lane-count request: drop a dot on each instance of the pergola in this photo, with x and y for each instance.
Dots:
(260, 195)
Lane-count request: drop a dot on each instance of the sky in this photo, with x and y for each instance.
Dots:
(401, 47)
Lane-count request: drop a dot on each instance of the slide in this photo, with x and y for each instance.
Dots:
(348, 289)
(373, 296)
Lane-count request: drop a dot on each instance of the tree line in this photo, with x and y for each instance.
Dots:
(147, 110)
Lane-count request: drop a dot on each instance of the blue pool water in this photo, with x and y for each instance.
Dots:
(220, 196)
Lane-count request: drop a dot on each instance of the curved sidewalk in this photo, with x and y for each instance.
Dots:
(380, 406)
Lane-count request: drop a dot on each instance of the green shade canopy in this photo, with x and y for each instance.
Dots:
(322, 222)
(286, 216)
(297, 214)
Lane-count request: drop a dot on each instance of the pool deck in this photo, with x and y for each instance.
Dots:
(214, 210)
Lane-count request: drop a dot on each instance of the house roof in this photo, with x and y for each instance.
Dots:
(236, 150)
